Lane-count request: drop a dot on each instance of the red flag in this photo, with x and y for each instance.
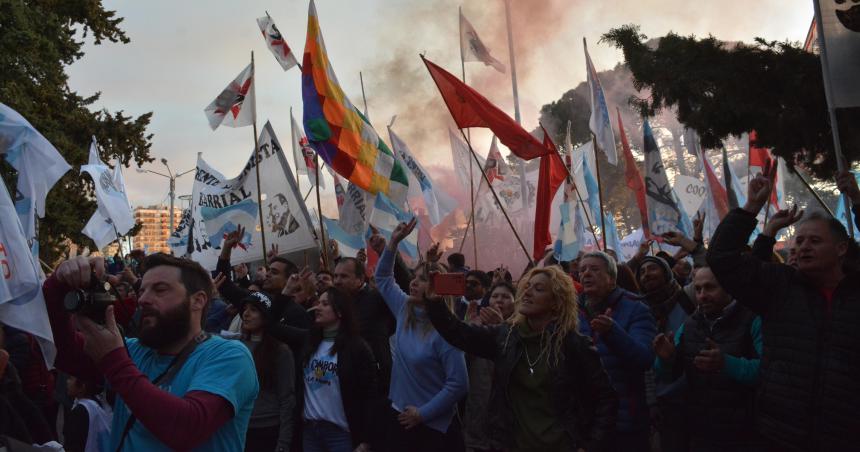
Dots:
(759, 157)
(718, 191)
(634, 178)
(550, 177)
(470, 109)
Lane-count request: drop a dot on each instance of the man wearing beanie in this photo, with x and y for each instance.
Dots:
(670, 305)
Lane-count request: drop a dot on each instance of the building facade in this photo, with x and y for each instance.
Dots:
(155, 229)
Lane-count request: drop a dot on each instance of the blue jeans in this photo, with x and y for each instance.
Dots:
(323, 436)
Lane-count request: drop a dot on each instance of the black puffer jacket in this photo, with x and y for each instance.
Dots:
(581, 389)
(809, 397)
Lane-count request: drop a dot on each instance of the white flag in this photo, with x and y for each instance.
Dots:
(840, 28)
(599, 122)
(22, 305)
(276, 43)
(472, 48)
(112, 201)
(219, 205)
(434, 210)
(38, 163)
(235, 106)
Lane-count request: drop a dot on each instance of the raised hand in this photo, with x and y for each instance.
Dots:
(499, 274)
(847, 184)
(698, 226)
(644, 247)
(782, 219)
(401, 231)
(273, 251)
(219, 280)
(361, 256)
(678, 239)
(434, 254)
(664, 347)
(232, 239)
(759, 188)
(376, 240)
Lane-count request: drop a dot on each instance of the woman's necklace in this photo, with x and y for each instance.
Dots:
(531, 363)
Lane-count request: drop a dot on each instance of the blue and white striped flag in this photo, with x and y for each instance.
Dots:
(571, 233)
(434, 210)
(348, 244)
(386, 216)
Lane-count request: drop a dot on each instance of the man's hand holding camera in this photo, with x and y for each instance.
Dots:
(77, 273)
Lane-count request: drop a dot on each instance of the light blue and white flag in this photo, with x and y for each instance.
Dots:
(599, 122)
(386, 216)
(592, 188)
(571, 234)
(348, 244)
(434, 210)
(39, 166)
(840, 209)
(612, 240)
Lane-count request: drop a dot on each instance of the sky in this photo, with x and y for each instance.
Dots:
(182, 54)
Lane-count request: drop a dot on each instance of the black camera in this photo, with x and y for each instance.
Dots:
(90, 302)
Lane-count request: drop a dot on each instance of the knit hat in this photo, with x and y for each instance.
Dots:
(260, 301)
(667, 270)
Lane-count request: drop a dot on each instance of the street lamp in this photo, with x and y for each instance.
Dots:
(172, 177)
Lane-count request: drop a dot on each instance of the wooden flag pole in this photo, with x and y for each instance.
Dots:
(257, 159)
(599, 191)
(319, 209)
(496, 197)
(293, 136)
(471, 174)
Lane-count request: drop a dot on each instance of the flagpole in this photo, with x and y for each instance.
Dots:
(471, 174)
(319, 209)
(293, 136)
(257, 160)
(363, 97)
(599, 190)
(520, 164)
(496, 197)
(831, 110)
(814, 193)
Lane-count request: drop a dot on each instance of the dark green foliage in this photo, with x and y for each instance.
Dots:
(38, 39)
(720, 89)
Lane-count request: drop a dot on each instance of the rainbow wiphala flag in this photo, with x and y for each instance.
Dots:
(338, 132)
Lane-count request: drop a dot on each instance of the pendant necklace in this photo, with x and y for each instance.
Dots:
(529, 361)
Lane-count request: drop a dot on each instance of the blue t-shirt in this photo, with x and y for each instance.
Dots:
(217, 366)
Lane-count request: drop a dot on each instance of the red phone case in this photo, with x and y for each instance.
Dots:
(449, 284)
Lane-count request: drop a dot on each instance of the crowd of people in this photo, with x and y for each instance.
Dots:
(720, 348)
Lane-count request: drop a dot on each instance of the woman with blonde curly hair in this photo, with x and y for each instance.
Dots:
(550, 392)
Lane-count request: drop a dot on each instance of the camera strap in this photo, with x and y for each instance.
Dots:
(166, 377)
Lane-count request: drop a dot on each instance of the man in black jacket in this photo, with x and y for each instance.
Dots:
(375, 322)
(809, 396)
(284, 309)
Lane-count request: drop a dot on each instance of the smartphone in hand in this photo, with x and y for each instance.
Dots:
(453, 284)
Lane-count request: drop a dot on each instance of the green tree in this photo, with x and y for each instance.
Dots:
(38, 40)
(720, 89)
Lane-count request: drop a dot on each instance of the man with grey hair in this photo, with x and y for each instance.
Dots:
(809, 395)
(622, 329)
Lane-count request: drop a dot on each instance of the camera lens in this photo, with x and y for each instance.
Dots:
(73, 300)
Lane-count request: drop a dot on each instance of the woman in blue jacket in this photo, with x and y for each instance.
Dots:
(428, 375)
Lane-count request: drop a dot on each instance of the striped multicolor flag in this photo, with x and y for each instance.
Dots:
(339, 133)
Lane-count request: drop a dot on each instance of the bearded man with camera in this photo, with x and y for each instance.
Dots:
(177, 388)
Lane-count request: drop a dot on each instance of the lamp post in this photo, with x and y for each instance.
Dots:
(172, 177)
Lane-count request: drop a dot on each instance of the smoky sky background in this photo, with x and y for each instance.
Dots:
(183, 54)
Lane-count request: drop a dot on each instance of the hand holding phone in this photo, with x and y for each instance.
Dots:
(453, 284)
